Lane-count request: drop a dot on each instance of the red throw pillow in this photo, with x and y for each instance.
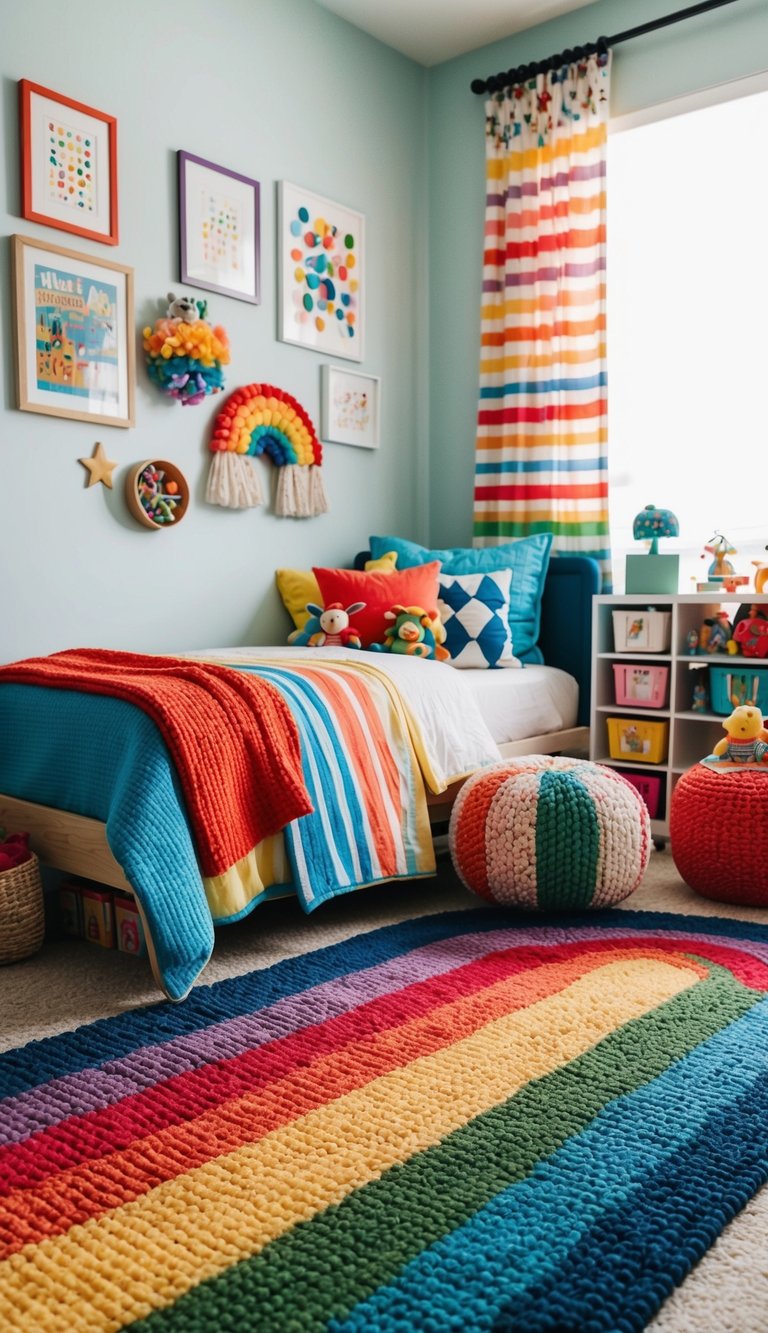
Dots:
(380, 592)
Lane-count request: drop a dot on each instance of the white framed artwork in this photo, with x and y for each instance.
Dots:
(321, 259)
(350, 407)
(219, 229)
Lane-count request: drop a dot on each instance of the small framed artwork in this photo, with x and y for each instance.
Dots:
(68, 164)
(321, 257)
(74, 334)
(349, 407)
(219, 229)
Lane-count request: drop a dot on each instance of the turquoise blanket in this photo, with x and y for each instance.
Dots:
(103, 757)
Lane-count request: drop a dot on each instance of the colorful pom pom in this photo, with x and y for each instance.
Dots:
(185, 360)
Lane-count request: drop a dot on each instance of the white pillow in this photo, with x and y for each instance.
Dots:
(474, 609)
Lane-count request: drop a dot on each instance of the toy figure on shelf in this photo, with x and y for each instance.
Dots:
(692, 640)
(700, 703)
(721, 572)
(716, 635)
(761, 574)
(720, 548)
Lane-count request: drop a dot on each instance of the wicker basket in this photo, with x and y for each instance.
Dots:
(22, 918)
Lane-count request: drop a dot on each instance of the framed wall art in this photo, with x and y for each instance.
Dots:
(219, 229)
(349, 407)
(68, 164)
(321, 257)
(74, 334)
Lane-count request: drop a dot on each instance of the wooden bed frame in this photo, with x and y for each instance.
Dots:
(77, 845)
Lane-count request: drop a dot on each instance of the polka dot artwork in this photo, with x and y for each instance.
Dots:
(322, 245)
(71, 169)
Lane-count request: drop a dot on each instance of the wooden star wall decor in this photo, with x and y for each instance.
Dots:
(99, 466)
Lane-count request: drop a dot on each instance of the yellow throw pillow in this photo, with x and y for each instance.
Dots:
(299, 586)
(385, 563)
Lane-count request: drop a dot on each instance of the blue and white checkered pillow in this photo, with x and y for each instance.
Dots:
(474, 609)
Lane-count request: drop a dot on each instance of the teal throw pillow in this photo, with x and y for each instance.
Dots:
(528, 558)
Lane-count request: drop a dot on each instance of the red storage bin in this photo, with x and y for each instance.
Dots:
(640, 686)
(649, 788)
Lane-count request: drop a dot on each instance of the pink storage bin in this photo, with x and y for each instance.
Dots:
(648, 787)
(640, 686)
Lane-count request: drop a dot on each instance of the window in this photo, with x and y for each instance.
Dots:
(688, 328)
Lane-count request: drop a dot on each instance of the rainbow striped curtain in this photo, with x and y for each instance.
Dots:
(541, 462)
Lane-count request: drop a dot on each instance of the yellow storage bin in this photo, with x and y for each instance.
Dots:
(634, 738)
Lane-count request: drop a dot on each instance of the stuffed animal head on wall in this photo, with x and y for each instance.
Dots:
(182, 307)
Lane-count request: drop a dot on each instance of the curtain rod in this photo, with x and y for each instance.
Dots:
(495, 82)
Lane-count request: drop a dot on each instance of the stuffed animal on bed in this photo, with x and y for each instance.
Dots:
(328, 627)
(414, 631)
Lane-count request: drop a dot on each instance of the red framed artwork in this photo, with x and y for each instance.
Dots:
(68, 164)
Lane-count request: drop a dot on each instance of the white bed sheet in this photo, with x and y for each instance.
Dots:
(510, 705)
(529, 702)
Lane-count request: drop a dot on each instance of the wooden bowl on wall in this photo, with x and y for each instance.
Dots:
(174, 501)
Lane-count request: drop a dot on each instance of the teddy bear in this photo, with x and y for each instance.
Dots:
(184, 308)
(417, 632)
(746, 741)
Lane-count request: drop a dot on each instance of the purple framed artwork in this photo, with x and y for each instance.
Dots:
(219, 231)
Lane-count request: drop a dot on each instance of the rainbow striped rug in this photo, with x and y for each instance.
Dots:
(465, 1121)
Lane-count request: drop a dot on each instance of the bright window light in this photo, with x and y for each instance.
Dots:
(688, 331)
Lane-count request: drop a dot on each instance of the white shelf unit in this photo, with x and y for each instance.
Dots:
(691, 735)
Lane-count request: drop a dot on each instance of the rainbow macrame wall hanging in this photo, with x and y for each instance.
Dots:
(261, 419)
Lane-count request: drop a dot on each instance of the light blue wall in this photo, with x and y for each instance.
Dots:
(716, 47)
(275, 89)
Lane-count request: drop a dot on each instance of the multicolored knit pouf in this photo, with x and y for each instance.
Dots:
(550, 833)
(718, 833)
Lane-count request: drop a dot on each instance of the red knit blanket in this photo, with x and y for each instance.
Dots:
(231, 736)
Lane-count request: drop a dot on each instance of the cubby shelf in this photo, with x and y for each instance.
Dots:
(691, 735)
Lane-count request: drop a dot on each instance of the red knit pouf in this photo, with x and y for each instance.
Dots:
(718, 833)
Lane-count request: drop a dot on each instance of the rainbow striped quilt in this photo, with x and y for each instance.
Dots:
(465, 1121)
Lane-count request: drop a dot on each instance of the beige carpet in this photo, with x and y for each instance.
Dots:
(71, 982)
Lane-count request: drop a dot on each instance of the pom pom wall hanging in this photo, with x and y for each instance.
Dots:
(261, 419)
(184, 354)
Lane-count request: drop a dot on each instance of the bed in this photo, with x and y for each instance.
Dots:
(439, 726)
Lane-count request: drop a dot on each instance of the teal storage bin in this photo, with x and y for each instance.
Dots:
(731, 686)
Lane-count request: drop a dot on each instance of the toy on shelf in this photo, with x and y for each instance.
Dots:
(157, 494)
(413, 631)
(721, 573)
(328, 627)
(751, 634)
(761, 574)
(692, 641)
(700, 701)
(653, 572)
(184, 354)
(715, 636)
(746, 741)
(720, 633)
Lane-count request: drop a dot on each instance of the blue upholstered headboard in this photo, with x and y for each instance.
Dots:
(566, 619)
